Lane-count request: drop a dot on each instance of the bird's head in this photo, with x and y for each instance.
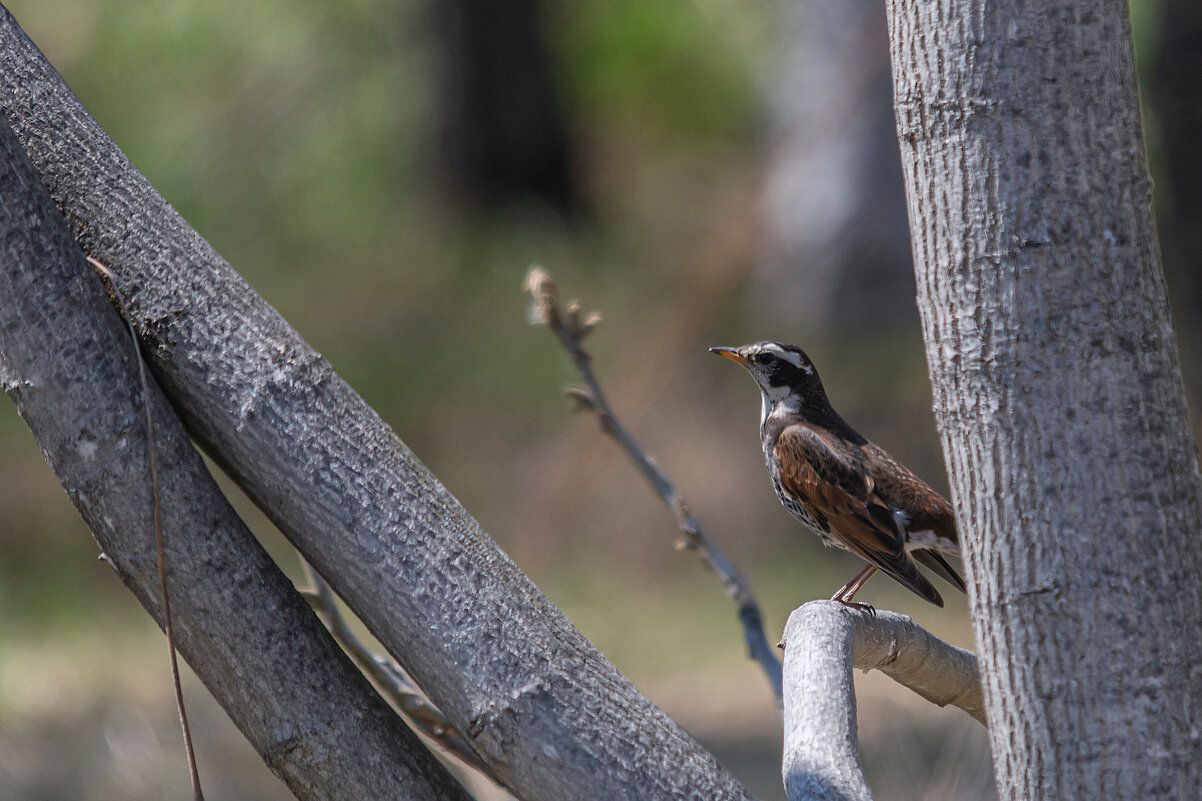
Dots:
(785, 375)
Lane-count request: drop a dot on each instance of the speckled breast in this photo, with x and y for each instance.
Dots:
(802, 511)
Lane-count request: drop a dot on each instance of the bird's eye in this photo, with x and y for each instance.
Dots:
(765, 358)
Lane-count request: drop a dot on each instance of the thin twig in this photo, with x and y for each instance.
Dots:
(571, 329)
(160, 553)
(387, 675)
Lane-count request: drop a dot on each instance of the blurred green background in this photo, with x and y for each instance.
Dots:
(302, 139)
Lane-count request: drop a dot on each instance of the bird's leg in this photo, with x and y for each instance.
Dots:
(849, 590)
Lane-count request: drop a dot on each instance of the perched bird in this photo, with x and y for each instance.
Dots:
(849, 491)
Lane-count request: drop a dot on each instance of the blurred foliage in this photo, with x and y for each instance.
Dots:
(669, 68)
(295, 137)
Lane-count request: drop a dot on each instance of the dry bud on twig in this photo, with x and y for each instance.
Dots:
(581, 400)
(544, 295)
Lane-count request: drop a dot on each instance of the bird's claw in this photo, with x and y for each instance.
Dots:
(869, 608)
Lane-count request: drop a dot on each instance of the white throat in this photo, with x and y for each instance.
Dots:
(777, 402)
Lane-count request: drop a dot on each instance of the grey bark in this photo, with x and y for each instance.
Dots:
(823, 642)
(66, 359)
(913, 657)
(552, 717)
(1057, 390)
(821, 760)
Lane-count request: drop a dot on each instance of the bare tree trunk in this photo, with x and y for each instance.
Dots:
(68, 363)
(546, 711)
(1057, 390)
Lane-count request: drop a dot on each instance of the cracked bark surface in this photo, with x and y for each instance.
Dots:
(1057, 389)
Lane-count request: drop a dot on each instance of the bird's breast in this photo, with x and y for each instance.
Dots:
(803, 511)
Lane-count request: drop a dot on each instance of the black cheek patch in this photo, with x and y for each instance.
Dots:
(784, 374)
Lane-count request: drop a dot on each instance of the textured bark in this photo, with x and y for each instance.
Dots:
(552, 717)
(821, 760)
(66, 359)
(913, 657)
(823, 642)
(1057, 390)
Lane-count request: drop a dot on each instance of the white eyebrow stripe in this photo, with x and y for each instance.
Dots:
(793, 358)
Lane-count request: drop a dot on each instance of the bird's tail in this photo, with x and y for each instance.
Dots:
(934, 561)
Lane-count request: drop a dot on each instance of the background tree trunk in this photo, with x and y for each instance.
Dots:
(1175, 92)
(836, 254)
(502, 137)
(1057, 390)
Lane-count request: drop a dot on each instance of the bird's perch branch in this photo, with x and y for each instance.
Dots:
(910, 655)
(571, 329)
(823, 642)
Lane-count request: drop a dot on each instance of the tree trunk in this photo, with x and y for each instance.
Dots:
(1057, 390)
(502, 137)
(548, 713)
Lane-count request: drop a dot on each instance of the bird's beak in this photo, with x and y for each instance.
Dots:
(730, 353)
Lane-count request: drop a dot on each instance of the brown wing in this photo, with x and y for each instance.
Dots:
(845, 495)
(928, 509)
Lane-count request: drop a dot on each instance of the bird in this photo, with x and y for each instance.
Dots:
(852, 493)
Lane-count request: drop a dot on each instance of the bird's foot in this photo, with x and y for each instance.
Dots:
(869, 608)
